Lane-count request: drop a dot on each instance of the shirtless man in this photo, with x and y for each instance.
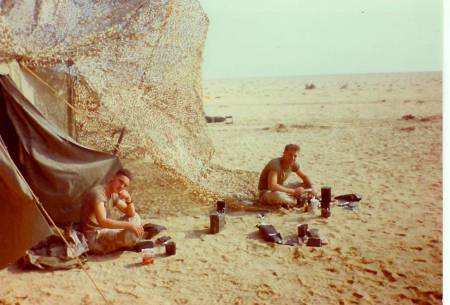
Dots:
(272, 190)
(104, 234)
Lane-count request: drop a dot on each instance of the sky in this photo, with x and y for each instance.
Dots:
(266, 38)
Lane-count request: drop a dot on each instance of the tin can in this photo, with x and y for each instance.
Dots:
(171, 248)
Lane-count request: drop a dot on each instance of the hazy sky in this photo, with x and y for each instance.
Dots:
(297, 37)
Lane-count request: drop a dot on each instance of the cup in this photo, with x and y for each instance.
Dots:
(148, 256)
(171, 248)
(314, 204)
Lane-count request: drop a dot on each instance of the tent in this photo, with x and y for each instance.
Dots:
(39, 164)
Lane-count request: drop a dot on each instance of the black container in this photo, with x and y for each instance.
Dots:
(171, 248)
(325, 213)
(302, 230)
(220, 206)
(314, 242)
(325, 194)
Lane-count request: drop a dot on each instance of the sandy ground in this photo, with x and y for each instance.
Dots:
(353, 139)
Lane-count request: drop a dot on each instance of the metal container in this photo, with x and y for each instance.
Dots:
(171, 248)
(325, 194)
(216, 222)
(302, 230)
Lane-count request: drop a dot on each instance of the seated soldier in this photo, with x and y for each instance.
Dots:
(272, 190)
(104, 234)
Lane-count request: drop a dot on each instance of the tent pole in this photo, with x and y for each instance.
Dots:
(40, 206)
(70, 101)
(48, 86)
(70, 112)
(122, 133)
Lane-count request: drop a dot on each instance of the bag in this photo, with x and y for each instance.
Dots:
(270, 234)
(349, 197)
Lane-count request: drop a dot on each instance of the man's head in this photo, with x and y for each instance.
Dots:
(290, 154)
(120, 180)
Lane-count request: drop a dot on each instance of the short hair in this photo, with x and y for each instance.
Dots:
(293, 147)
(124, 172)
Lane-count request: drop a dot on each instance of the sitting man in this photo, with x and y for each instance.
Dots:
(104, 234)
(272, 190)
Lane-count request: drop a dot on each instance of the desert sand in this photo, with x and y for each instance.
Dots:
(377, 135)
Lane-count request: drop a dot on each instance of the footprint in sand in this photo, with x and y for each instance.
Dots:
(370, 271)
(264, 291)
(357, 295)
(388, 275)
(338, 250)
(417, 248)
(366, 261)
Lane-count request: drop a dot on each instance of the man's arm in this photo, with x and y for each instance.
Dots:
(126, 207)
(125, 204)
(274, 186)
(100, 215)
(305, 179)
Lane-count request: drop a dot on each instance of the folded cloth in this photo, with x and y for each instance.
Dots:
(152, 230)
(349, 197)
(347, 205)
(269, 233)
(145, 244)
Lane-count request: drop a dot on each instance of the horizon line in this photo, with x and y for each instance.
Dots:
(321, 74)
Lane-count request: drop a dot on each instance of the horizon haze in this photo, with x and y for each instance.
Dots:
(271, 38)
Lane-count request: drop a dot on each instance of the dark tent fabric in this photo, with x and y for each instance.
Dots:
(21, 223)
(56, 168)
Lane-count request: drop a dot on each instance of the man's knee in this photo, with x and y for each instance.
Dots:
(136, 219)
(278, 198)
(130, 238)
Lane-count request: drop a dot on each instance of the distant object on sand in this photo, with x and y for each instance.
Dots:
(219, 119)
(310, 86)
(285, 128)
(410, 117)
(281, 128)
(408, 129)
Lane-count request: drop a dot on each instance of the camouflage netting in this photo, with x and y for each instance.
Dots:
(128, 63)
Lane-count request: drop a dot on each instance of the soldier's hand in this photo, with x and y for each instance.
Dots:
(124, 195)
(298, 191)
(139, 230)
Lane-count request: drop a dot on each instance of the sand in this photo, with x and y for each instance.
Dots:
(353, 139)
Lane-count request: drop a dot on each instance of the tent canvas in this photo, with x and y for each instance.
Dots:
(38, 158)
